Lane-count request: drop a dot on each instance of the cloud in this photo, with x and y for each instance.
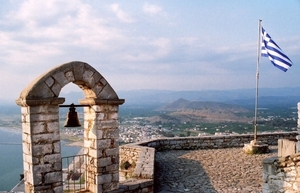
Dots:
(151, 9)
(133, 45)
(121, 15)
(48, 30)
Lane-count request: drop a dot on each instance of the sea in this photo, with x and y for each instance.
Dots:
(11, 157)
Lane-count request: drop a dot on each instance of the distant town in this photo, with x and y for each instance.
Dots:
(136, 129)
(144, 122)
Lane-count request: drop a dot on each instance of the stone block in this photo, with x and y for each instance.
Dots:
(106, 178)
(26, 148)
(60, 79)
(97, 77)
(69, 76)
(42, 168)
(52, 126)
(56, 147)
(112, 168)
(94, 153)
(113, 116)
(100, 116)
(41, 149)
(49, 81)
(26, 118)
(78, 68)
(111, 134)
(58, 189)
(103, 81)
(46, 109)
(87, 77)
(296, 186)
(110, 186)
(27, 166)
(98, 88)
(115, 176)
(26, 137)
(44, 117)
(107, 92)
(94, 134)
(278, 183)
(36, 128)
(26, 127)
(133, 187)
(51, 158)
(286, 147)
(43, 138)
(103, 143)
(102, 162)
(35, 179)
(109, 124)
(40, 90)
(30, 159)
(57, 166)
(112, 152)
(53, 177)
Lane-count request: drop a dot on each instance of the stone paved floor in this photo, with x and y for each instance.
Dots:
(209, 171)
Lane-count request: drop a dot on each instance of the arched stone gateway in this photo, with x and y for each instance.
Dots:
(40, 102)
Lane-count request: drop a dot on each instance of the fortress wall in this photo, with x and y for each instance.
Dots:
(215, 142)
(143, 154)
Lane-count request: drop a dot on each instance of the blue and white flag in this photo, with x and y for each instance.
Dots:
(270, 49)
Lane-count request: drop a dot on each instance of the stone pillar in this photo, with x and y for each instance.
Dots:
(41, 145)
(101, 146)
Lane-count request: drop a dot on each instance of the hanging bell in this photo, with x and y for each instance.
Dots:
(72, 118)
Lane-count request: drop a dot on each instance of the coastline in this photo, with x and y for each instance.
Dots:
(75, 144)
(16, 130)
(69, 139)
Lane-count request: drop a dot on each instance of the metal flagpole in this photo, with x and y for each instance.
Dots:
(257, 77)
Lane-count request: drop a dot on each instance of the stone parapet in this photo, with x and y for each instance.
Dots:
(215, 142)
(141, 156)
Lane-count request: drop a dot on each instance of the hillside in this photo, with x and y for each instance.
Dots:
(183, 110)
(276, 97)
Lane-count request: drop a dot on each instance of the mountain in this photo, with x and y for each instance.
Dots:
(182, 104)
(277, 97)
(286, 96)
(183, 110)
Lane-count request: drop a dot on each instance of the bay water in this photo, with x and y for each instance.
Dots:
(11, 157)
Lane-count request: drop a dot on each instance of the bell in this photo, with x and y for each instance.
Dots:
(72, 118)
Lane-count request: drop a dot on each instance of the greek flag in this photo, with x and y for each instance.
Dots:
(270, 49)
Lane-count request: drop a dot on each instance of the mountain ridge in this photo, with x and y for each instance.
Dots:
(285, 96)
(182, 104)
(182, 110)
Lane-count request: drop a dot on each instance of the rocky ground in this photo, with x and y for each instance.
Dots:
(209, 171)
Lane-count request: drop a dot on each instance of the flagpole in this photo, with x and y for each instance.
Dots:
(257, 78)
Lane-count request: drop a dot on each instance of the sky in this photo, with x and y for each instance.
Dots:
(165, 45)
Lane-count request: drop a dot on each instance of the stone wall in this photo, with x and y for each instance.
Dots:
(281, 174)
(214, 142)
(139, 160)
(140, 177)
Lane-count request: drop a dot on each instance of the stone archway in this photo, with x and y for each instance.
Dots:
(40, 102)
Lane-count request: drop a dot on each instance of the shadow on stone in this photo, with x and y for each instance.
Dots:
(175, 173)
